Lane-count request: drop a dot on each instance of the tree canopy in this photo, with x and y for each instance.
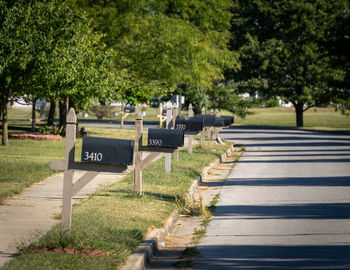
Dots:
(49, 50)
(284, 52)
(159, 44)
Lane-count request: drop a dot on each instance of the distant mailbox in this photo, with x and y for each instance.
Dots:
(107, 151)
(229, 120)
(191, 124)
(209, 120)
(129, 109)
(158, 137)
(219, 122)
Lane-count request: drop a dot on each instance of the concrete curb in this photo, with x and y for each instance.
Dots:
(141, 257)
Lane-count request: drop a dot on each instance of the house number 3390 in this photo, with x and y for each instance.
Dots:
(93, 156)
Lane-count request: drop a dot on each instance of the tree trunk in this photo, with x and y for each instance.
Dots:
(63, 114)
(51, 116)
(5, 137)
(299, 110)
(33, 115)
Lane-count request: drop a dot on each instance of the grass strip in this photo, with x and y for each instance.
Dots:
(25, 162)
(114, 220)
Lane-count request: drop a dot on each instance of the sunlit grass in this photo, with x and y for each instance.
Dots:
(320, 118)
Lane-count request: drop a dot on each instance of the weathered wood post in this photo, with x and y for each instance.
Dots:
(160, 115)
(68, 165)
(138, 155)
(174, 113)
(68, 174)
(211, 130)
(203, 133)
(169, 116)
(190, 138)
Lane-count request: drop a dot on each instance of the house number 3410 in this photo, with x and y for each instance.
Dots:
(93, 156)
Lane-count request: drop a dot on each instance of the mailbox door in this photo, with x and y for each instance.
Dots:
(209, 120)
(107, 151)
(219, 122)
(229, 120)
(158, 137)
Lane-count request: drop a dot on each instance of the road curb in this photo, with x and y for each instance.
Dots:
(141, 257)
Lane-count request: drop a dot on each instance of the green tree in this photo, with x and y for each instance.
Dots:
(159, 44)
(281, 45)
(49, 50)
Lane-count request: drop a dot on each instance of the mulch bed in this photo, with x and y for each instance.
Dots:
(36, 137)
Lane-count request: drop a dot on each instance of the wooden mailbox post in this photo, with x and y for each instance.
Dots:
(190, 138)
(162, 118)
(169, 119)
(68, 165)
(141, 163)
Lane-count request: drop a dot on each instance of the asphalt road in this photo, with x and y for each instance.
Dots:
(285, 206)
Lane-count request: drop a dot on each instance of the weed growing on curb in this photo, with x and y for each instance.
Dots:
(190, 206)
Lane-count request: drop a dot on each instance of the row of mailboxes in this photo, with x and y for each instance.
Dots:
(121, 152)
(196, 124)
(213, 121)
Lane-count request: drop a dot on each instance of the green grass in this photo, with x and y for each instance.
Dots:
(26, 162)
(115, 219)
(320, 118)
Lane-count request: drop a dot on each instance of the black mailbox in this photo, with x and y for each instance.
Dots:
(209, 120)
(164, 112)
(191, 124)
(219, 122)
(107, 151)
(158, 137)
(129, 109)
(229, 120)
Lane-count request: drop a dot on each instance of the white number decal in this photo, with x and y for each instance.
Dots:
(155, 142)
(93, 156)
(181, 126)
